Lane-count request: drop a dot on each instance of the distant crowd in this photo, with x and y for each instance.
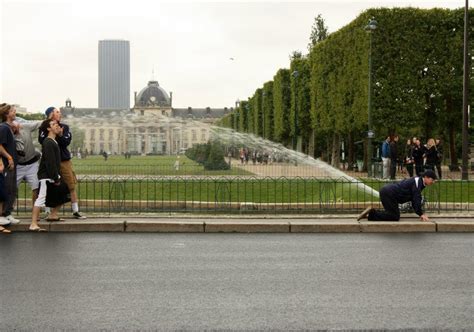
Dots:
(256, 156)
(417, 157)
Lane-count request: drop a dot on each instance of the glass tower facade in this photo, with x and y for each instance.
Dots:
(114, 74)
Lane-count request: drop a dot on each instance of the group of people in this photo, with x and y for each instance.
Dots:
(49, 174)
(257, 157)
(417, 157)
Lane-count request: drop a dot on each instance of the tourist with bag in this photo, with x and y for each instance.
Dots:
(51, 192)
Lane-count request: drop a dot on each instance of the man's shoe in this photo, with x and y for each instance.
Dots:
(364, 213)
(4, 221)
(77, 215)
(12, 220)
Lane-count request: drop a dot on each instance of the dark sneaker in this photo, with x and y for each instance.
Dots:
(77, 215)
(364, 213)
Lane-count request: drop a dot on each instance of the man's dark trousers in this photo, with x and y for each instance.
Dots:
(390, 204)
(11, 191)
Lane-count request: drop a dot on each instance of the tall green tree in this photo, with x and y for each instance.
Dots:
(268, 110)
(300, 100)
(258, 112)
(281, 105)
(319, 32)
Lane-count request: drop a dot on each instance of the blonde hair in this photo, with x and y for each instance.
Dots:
(431, 142)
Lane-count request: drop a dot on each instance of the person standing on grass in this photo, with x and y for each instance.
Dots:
(408, 190)
(48, 171)
(64, 138)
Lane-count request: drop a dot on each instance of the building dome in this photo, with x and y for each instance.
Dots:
(153, 96)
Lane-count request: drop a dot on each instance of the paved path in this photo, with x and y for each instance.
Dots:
(236, 281)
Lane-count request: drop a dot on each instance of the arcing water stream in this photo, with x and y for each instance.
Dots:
(230, 137)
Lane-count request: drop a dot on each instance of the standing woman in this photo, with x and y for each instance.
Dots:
(409, 157)
(418, 154)
(431, 155)
(48, 171)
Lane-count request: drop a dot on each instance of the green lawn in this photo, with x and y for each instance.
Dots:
(224, 190)
(145, 165)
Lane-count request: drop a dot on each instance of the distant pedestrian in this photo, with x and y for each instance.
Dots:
(431, 155)
(393, 156)
(385, 158)
(105, 155)
(408, 190)
(176, 164)
(409, 157)
(418, 154)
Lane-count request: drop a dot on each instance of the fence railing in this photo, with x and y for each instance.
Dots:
(128, 194)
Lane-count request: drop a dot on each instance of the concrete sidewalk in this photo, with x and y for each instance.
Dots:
(254, 224)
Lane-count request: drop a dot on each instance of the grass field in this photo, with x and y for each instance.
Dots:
(145, 165)
(225, 190)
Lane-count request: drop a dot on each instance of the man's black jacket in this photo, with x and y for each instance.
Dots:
(406, 191)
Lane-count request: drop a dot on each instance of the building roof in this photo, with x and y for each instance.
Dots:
(201, 113)
(153, 95)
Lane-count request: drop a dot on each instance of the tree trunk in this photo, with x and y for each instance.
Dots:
(350, 151)
(311, 144)
(453, 165)
(365, 155)
(336, 151)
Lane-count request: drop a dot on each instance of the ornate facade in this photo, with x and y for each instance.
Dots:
(152, 126)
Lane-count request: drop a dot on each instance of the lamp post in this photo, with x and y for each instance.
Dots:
(295, 120)
(370, 28)
(465, 99)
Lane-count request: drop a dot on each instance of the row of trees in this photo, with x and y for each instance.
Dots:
(322, 99)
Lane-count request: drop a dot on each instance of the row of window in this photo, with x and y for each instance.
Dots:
(111, 136)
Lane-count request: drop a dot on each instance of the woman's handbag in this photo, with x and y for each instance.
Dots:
(57, 194)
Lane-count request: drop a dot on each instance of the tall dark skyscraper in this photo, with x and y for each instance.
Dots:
(114, 74)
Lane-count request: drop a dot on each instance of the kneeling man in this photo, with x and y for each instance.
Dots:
(408, 190)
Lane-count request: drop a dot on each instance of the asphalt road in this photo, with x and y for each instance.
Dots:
(236, 281)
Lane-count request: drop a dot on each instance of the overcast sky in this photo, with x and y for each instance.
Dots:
(49, 48)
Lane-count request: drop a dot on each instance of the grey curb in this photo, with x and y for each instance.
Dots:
(325, 227)
(397, 227)
(87, 226)
(165, 226)
(197, 225)
(247, 227)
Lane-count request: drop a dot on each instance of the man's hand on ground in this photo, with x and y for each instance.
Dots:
(424, 217)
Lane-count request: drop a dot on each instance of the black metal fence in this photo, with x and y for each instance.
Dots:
(224, 194)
